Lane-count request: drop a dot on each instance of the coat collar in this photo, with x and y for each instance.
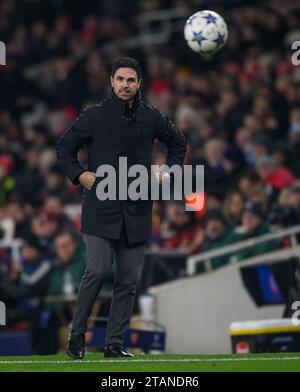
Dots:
(123, 106)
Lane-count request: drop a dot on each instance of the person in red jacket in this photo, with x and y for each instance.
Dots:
(275, 176)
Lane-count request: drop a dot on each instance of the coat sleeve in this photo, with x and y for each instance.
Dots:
(68, 145)
(173, 139)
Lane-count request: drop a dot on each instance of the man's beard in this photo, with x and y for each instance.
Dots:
(128, 97)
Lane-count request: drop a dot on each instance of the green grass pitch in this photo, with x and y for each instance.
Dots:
(95, 362)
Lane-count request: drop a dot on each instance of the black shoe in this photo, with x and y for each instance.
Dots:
(76, 345)
(116, 350)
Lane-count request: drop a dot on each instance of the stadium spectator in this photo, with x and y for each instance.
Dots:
(69, 266)
(46, 225)
(273, 176)
(249, 182)
(217, 166)
(67, 271)
(254, 225)
(15, 210)
(24, 290)
(184, 232)
(7, 227)
(217, 235)
(233, 207)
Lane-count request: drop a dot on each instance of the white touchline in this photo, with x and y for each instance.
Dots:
(151, 360)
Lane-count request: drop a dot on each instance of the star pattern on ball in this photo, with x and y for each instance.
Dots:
(210, 18)
(191, 18)
(198, 37)
(219, 40)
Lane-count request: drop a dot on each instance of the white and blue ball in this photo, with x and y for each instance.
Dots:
(206, 32)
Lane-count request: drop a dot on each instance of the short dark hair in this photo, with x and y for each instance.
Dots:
(70, 233)
(126, 62)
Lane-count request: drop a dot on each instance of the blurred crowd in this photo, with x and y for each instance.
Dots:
(240, 111)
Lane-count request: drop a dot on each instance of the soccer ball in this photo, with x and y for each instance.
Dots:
(205, 32)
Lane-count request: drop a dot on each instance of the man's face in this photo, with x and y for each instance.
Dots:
(293, 199)
(125, 83)
(250, 221)
(214, 228)
(265, 170)
(29, 253)
(65, 248)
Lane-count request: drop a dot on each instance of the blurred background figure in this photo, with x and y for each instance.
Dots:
(68, 267)
(24, 288)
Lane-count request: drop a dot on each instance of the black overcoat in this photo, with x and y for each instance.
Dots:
(111, 130)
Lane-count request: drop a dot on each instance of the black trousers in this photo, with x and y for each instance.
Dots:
(101, 253)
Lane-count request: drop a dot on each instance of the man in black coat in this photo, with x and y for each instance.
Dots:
(122, 125)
